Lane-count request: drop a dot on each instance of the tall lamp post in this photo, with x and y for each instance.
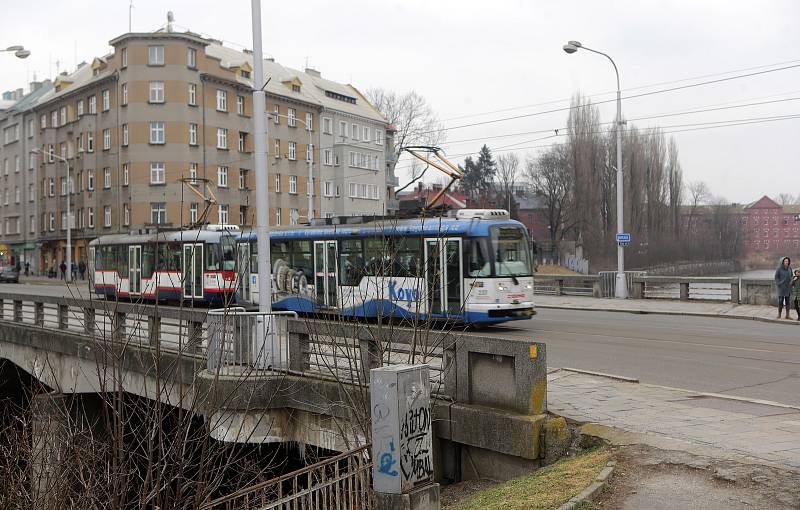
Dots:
(309, 159)
(621, 286)
(19, 51)
(68, 272)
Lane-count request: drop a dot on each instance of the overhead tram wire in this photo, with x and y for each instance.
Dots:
(643, 94)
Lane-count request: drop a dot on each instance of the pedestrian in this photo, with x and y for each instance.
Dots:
(796, 292)
(63, 268)
(82, 269)
(74, 271)
(783, 280)
(27, 268)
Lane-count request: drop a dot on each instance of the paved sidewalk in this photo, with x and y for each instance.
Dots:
(675, 419)
(667, 307)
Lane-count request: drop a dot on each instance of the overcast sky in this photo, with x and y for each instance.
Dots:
(469, 57)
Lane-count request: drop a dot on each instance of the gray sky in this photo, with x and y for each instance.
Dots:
(468, 57)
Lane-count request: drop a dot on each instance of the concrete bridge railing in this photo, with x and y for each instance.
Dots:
(685, 288)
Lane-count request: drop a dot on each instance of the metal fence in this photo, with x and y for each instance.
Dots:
(608, 286)
(343, 482)
(237, 337)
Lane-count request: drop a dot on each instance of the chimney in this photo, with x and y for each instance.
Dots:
(19, 94)
(313, 72)
(35, 85)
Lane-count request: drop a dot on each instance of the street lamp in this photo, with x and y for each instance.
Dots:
(309, 158)
(68, 272)
(19, 51)
(621, 283)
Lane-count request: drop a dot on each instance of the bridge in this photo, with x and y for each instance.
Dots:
(490, 393)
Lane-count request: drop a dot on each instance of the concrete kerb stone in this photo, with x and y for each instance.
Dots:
(589, 492)
(600, 374)
(673, 312)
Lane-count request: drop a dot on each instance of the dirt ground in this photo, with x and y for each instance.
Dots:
(652, 479)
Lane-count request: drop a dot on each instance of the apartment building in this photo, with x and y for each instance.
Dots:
(158, 134)
(18, 191)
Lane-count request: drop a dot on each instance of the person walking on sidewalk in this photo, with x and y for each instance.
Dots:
(783, 280)
(796, 292)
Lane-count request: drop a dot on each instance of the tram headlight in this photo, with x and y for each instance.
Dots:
(500, 287)
(529, 286)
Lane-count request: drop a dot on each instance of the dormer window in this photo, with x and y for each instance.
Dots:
(245, 74)
(295, 87)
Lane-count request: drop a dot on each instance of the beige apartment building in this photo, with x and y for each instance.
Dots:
(158, 134)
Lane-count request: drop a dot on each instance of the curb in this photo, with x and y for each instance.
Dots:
(789, 322)
(601, 374)
(589, 492)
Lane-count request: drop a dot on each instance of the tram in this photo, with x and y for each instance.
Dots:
(473, 268)
(197, 265)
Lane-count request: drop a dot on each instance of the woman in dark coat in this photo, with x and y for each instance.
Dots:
(783, 280)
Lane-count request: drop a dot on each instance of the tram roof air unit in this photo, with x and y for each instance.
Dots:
(482, 214)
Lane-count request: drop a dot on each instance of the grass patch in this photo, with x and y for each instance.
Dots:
(549, 487)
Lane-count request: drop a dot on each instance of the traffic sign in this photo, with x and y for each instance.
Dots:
(624, 237)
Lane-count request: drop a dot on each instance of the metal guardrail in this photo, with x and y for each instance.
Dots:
(341, 482)
(237, 337)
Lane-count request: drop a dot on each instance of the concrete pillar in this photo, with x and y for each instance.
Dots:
(17, 310)
(559, 286)
(597, 289)
(195, 336)
(38, 314)
(684, 291)
(402, 439)
(735, 293)
(88, 320)
(118, 326)
(153, 330)
(638, 290)
(63, 316)
(298, 351)
(370, 356)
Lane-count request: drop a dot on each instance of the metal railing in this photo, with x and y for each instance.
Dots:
(341, 482)
(237, 337)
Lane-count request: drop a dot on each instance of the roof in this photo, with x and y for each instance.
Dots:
(32, 99)
(416, 226)
(194, 235)
(81, 77)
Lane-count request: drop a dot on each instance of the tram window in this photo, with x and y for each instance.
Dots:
(303, 257)
(120, 256)
(377, 256)
(100, 258)
(277, 250)
(351, 261)
(254, 258)
(212, 257)
(228, 248)
(169, 257)
(148, 260)
(477, 261)
(405, 256)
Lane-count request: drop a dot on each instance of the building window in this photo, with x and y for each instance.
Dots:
(158, 213)
(327, 126)
(222, 101)
(157, 173)
(328, 188)
(193, 173)
(124, 93)
(106, 100)
(89, 217)
(353, 190)
(125, 174)
(309, 122)
(378, 137)
(123, 58)
(242, 178)
(31, 192)
(191, 58)
(328, 157)
(222, 214)
(292, 151)
(106, 139)
(243, 215)
(343, 129)
(126, 215)
(242, 141)
(43, 121)
(157, 132)
(222, 138)
(294, 214)
(63, 182)
(193, 94)
(63, 112)
(192, 134)
(354, 132)
(92, 105)
(32, 159)
(222, 176)
(124, 135)
(277, 215)
(277, 183)
(79, 107)
(107, 216)
(193, 213)
(155, 55)
(32, 220)
(309, 153)
(295, 87)
(90, 180)
(276, 114)
(240, 105)
(277, 149)
(291, 115)
(156, 91)
(16, 164)
(106, 178)
(89, 142)
(366, 134)
(16, 194)
(292, 184)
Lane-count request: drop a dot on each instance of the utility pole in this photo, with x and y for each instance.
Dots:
(260, 160)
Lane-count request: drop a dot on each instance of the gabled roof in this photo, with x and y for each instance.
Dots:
(763, 203)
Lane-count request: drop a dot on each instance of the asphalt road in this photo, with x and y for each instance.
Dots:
(732, 356)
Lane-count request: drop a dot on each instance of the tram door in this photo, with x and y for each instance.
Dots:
(244, 270)
(443, 274)
(325, 280)
(135, 270)
(193, 270)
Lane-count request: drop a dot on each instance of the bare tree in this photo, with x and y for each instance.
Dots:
(786, 199)
(506, 174)
(551, 179)
(415, 121)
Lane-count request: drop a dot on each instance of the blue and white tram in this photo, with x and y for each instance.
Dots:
(196, 265)
(474, 268)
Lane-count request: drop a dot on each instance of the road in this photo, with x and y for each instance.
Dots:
(732, 356)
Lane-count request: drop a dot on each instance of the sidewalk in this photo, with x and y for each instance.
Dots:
(673, 419)
(667, 307)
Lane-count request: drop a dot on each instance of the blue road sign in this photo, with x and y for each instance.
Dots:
(624, 237)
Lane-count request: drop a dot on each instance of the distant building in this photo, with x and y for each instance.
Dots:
(424, 194)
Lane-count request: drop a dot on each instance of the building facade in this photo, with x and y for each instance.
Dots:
(158, 134)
